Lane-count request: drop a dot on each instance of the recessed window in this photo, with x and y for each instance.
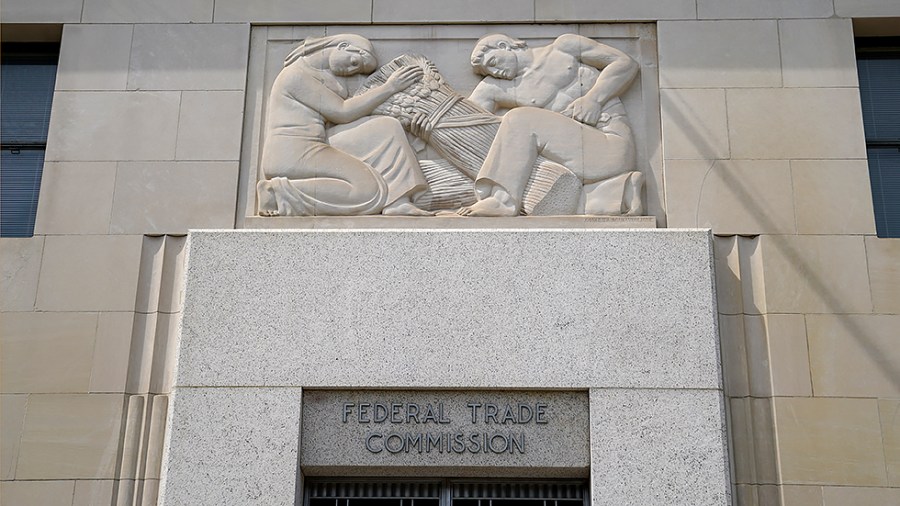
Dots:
(27, 78)
(336, 492)
(878, 62)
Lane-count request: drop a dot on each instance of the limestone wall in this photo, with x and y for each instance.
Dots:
(762, 142)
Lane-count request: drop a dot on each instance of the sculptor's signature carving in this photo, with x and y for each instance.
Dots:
(543, 133)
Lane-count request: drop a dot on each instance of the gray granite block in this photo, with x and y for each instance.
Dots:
(232, 446)
(450, 308)
(658, 447)
(445, 433)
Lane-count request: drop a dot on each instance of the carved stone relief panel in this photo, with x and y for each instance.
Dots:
(518, 120)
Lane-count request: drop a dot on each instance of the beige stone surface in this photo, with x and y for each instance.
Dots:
(20, 265)
(855, 355)
(815, 274)
(142, 11)
(94, 57)
(829, 441)
(189, 57)
(292, 11)
(883, 257)
(209, 125)
(93, 492)
(801, 495)
(889, 410)
(694, 124)
(728, 274)
(818, 52)
(12, 419)
(46, 352)
(730, 196)
(70, 436)
(613, 10)
(762, 9)
(788, 355)
(832, 197)
(753, 441)
(37, 493)
(758, 363)
(734, 355)
(475, 11)
(866, 8)
(710, 54)
(109, 368)
(76, 198)
(89, 273)
(113, 125)
(160, 197)
(42, 11)
(753, 283)
(860, 496)
(813, 123)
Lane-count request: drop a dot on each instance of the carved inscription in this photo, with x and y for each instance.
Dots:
(493, 426)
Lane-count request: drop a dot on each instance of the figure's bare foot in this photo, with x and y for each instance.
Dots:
(498, 204)
(266, 195)
(632, 198)
(452, 213)
(404, 207)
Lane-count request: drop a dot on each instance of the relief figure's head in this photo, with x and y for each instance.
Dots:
(348, 54)
(496, 55)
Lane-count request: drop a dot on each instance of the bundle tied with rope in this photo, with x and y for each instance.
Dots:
(462, 132)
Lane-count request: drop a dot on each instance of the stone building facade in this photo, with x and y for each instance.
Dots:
(761, 140)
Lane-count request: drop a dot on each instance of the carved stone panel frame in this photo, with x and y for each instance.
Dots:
(449, 47)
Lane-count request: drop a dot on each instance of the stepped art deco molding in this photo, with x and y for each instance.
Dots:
(542, 120)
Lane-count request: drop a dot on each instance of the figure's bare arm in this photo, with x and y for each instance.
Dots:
(310, 92)
(490, 96)
(617, 69)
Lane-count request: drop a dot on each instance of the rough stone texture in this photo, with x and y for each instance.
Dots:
(415, 11)
(658, 447)
(829, 441)
(94, 57)
(573, 318)
(142, 11)
(189, 57)
(708, 54)
(558, 447)
(76, 198)
(245, 441)
(20, 265)
(762, 9)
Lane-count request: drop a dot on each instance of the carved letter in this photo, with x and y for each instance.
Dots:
(474, 407)
(539, 413)
(363, 414)
(348, 409)
(412, 412)
(369, 443)
(525, 408)
(380, 413)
